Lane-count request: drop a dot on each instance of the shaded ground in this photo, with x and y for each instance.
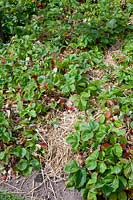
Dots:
(35, 188)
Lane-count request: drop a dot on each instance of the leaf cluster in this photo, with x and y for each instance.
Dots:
(48, 52)
(104, 168)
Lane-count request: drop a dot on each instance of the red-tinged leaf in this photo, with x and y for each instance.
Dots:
(53, 64)
(45, 86)
(41, 158)
(40, 5)
(111, 102)
(3, 61)
(11, 55)
(61, 101)
(126, 153)
(105, 145)
(70, 108)
(40, 16)
(4, 178)
(131, 147)
(44, 144)
(126, 118)
(131, 131)
(108, 115)
(34, 77)
(54, 68)
(123, 146)
(17, 119)
(14, 173)
(112, 119)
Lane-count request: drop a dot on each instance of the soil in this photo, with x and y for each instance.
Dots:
(36, 187)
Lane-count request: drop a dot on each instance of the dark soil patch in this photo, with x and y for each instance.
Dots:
(36, 187)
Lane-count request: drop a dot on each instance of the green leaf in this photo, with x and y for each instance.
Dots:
(94, 177)
(112, 23)
(19, 151)
(113, 139)
(118, 131)
(102, 119)
(41, 79)
(71, 181)
(85, 136)
(22, 165)
(1, 168)
(113, 196)
(117, 123)
(72, 167)
(116, 169)
(131, 124)
(81, 178)
(101, 155)
(107, 189)
(99, 184)
(29, 95)
(74, 139)
(102, 167)
(83, 127)
(91, 161)
(91, 196)
(81, 100)
(127, 171)
(92, 180)
(82, 104)
(109, 178)
(2, 155)
(35, 164)
(32, 113)
(122, 195)
(20, 106)
(117, 150)
(27, 171)
(123, 140)
(94, 155)
(90, 164)
(130, 183)
(94, 125)
(115, 184)
(23, 152)
(85, 95)
(5, 135)
(123, 181)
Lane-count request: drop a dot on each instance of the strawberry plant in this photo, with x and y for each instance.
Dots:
(8, 196)
(49, 50)
(105, 167)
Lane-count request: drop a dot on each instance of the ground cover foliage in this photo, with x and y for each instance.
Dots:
(49, 51)
(8, 196)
